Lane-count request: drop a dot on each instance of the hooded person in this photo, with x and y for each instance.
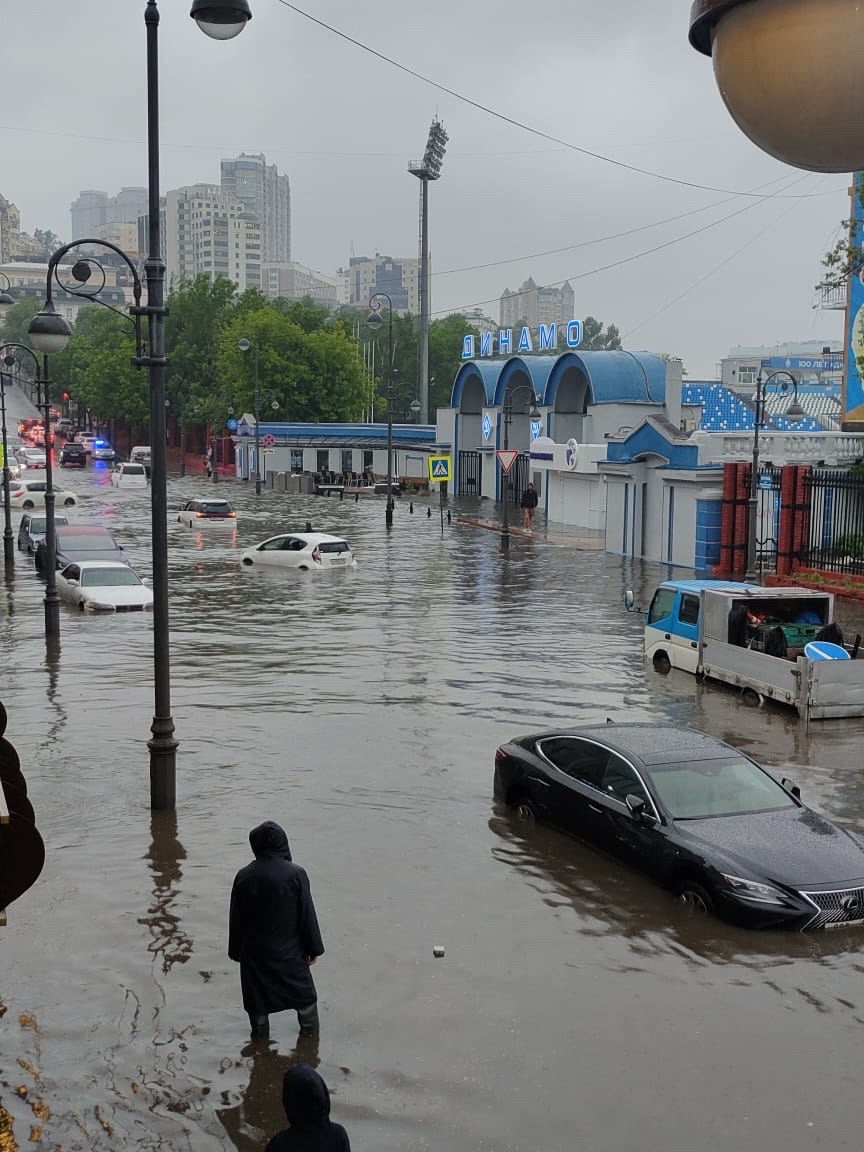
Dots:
(273, 933)
(306, 1101)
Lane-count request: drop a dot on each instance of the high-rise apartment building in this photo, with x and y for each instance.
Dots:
(207, 232)
(94, 208)
(399, 278)
(294, 281)
(532, 305)
(258, 186)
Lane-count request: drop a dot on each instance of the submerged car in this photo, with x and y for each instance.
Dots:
(307, 551)
(79, 542)
(30, 457)
(203, 512)
(693, 813)
(126, 475)
(31, 530)
(73, 454)
(102, 450)
(31, 494)
(100, 586)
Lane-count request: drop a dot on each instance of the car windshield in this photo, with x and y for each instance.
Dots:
(108, 578)
(86, 543)
(697, 790)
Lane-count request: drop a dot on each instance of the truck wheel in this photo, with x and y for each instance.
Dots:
(662, 663)
(752, 698)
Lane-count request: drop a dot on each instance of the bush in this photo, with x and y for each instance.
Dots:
(852, 545)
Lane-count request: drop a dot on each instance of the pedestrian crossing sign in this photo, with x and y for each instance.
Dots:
(440, 469)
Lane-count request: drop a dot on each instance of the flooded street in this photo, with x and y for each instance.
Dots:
(576, 1007)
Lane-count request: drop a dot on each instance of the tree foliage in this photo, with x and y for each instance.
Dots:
(846, 258)
(14, 330)
(597, 338)
(96, 368)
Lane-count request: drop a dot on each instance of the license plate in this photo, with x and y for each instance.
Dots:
(844, 924)
(337, 560)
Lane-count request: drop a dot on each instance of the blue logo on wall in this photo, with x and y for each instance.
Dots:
(487, 427)
(231, 425)
(535, 429)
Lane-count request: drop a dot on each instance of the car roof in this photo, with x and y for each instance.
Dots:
(650, 742)
(118, 564)
(83, 529)
(311, 537)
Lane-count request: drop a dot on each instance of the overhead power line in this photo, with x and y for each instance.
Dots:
(511, 120)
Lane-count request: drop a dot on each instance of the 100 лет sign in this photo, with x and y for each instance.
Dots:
(503, 344)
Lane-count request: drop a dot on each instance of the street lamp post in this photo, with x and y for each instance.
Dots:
(373, 322)
(49, 333)
(508, 419)
(8, 543)
(43, 403)
(244, 345)
(794, 412)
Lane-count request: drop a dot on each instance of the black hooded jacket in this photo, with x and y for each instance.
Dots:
(307, 1106)
(273, 928)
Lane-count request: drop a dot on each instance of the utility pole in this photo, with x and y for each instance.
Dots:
(429, 168)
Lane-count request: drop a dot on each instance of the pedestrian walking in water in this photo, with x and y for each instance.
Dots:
(529, 504)
(306, 1101)
(273, 934)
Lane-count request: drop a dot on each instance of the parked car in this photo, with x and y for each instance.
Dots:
(308, 551)
(103, 586)
(126, 475)
(203, 513)
(102, 450)
(31, 530)
(31, 457)
(695, 814)
(64, 426)
(79, 542)
(31, 494)
(86, 439)
(73, 454)
(140, 454)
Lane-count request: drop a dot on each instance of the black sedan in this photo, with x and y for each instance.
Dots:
(72, 453)
(81, 542)
(696, 815)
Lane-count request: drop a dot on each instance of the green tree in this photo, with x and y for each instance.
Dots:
(597, 338)
(96, 368)
(313, 376)
(198, 310)
(17, 321)
(846, 258)
(48, 242)
(445, 357)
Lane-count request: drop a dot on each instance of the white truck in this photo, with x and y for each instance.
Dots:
(754, 639)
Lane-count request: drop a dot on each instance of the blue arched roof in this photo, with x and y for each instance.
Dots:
(487, 371)
(613, 377)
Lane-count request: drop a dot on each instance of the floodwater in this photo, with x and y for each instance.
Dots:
(576, 1007)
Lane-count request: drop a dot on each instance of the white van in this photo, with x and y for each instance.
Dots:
(140, 454)
(129, 475)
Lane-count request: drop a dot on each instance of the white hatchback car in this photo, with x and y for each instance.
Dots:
(126, 475)
(31, 458)
(307, 551)
(31, 494)
(103, 586)
(206, 513)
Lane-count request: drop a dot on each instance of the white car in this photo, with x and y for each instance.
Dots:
(140, 454)
(31, 458)
(307, 551)
(86, 439)
(31, 494)
(103, 586)
(126, 475)
(206, 513)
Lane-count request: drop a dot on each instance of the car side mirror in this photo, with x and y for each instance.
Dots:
(72, 583)
(639, 809)
(146, 580)
(629, 600)
(791, 788)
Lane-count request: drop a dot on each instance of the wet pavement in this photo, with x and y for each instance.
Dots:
(576, 1007)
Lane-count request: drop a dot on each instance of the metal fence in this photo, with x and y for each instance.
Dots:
(470, 473)
(833, 522)
(768, 502)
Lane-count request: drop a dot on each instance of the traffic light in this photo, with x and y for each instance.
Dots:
(22, 852)
(66, 397)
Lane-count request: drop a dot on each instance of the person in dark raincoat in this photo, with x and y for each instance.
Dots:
(273, 933)
(307, 1105)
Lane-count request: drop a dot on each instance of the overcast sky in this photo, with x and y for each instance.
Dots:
(617, 79)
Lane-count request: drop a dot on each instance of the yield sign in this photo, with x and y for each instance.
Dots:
(507, 458)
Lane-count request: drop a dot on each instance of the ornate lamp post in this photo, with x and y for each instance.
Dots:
(43, 403)
(794, 412)
(534, 414)
(8, 543)
(373, 322)
(49, 332)
(761, 49)
(244, 345)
